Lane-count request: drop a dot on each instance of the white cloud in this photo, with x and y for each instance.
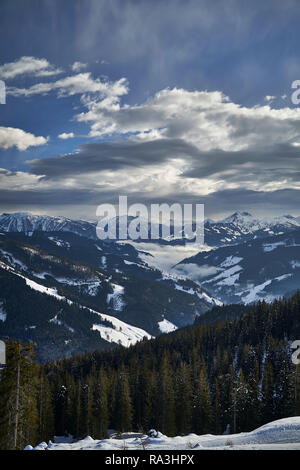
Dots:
(195, 272)
(66, 135)
(209, 120)
(13, 137)
(27, 65)
(82, 83)
(19, 180)
(77, 66)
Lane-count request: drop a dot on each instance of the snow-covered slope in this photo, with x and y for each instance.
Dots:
(264, 268)
(112, 331)
(120, 332)
(283, 434)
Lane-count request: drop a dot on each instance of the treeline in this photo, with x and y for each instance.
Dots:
(236, 374)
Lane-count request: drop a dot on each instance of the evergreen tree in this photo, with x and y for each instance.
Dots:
(100, 406)
(217, 411)
(184, 400)
(18, 397)
(202, 404)
(268, 393)
(146, 387)
(166, 404)
(60, 403)
(123, 407)
(45, 408)
(86, 409)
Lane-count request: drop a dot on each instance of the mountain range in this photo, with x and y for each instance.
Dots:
(240, 226)
(68, 291)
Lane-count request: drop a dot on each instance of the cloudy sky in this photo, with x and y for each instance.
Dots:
(173, 101)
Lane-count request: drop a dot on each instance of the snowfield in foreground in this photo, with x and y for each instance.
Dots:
(283, 434)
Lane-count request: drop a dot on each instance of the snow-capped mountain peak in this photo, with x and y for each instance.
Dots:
(243, 219)
(238, 218)
(26, 222)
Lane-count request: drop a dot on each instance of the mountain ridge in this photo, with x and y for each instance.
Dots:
(238, 226)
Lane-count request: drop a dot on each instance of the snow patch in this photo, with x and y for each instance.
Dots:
(230, 261)
(166, 326)
(253, 293)
(225, 274)
(120, 332)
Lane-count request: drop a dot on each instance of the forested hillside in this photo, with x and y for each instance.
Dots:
(198, 379)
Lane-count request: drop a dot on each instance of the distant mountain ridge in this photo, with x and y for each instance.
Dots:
(242, 226)
(27, 223)
(236, 228)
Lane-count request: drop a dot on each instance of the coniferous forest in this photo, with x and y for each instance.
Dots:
(236, 373)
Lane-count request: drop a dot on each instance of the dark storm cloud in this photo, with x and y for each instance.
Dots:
(230, 200)
(46, 197)
(100, 156)
(278, 161)
(216, 204)
(269, 164)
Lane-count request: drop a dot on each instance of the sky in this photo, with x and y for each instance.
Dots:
(175, 101)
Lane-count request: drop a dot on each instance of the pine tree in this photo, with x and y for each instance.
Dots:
(45, 408)
(146, 386)
(78, 410)
(166, 396)
(217, 411)
(252, 410)
(86, 409)
(184, 398)
(240, 402)
(70, 405)
(123, 407)
(18, 397)
(100, 406)
(202, 404)
(60, 403)
(268, 393)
